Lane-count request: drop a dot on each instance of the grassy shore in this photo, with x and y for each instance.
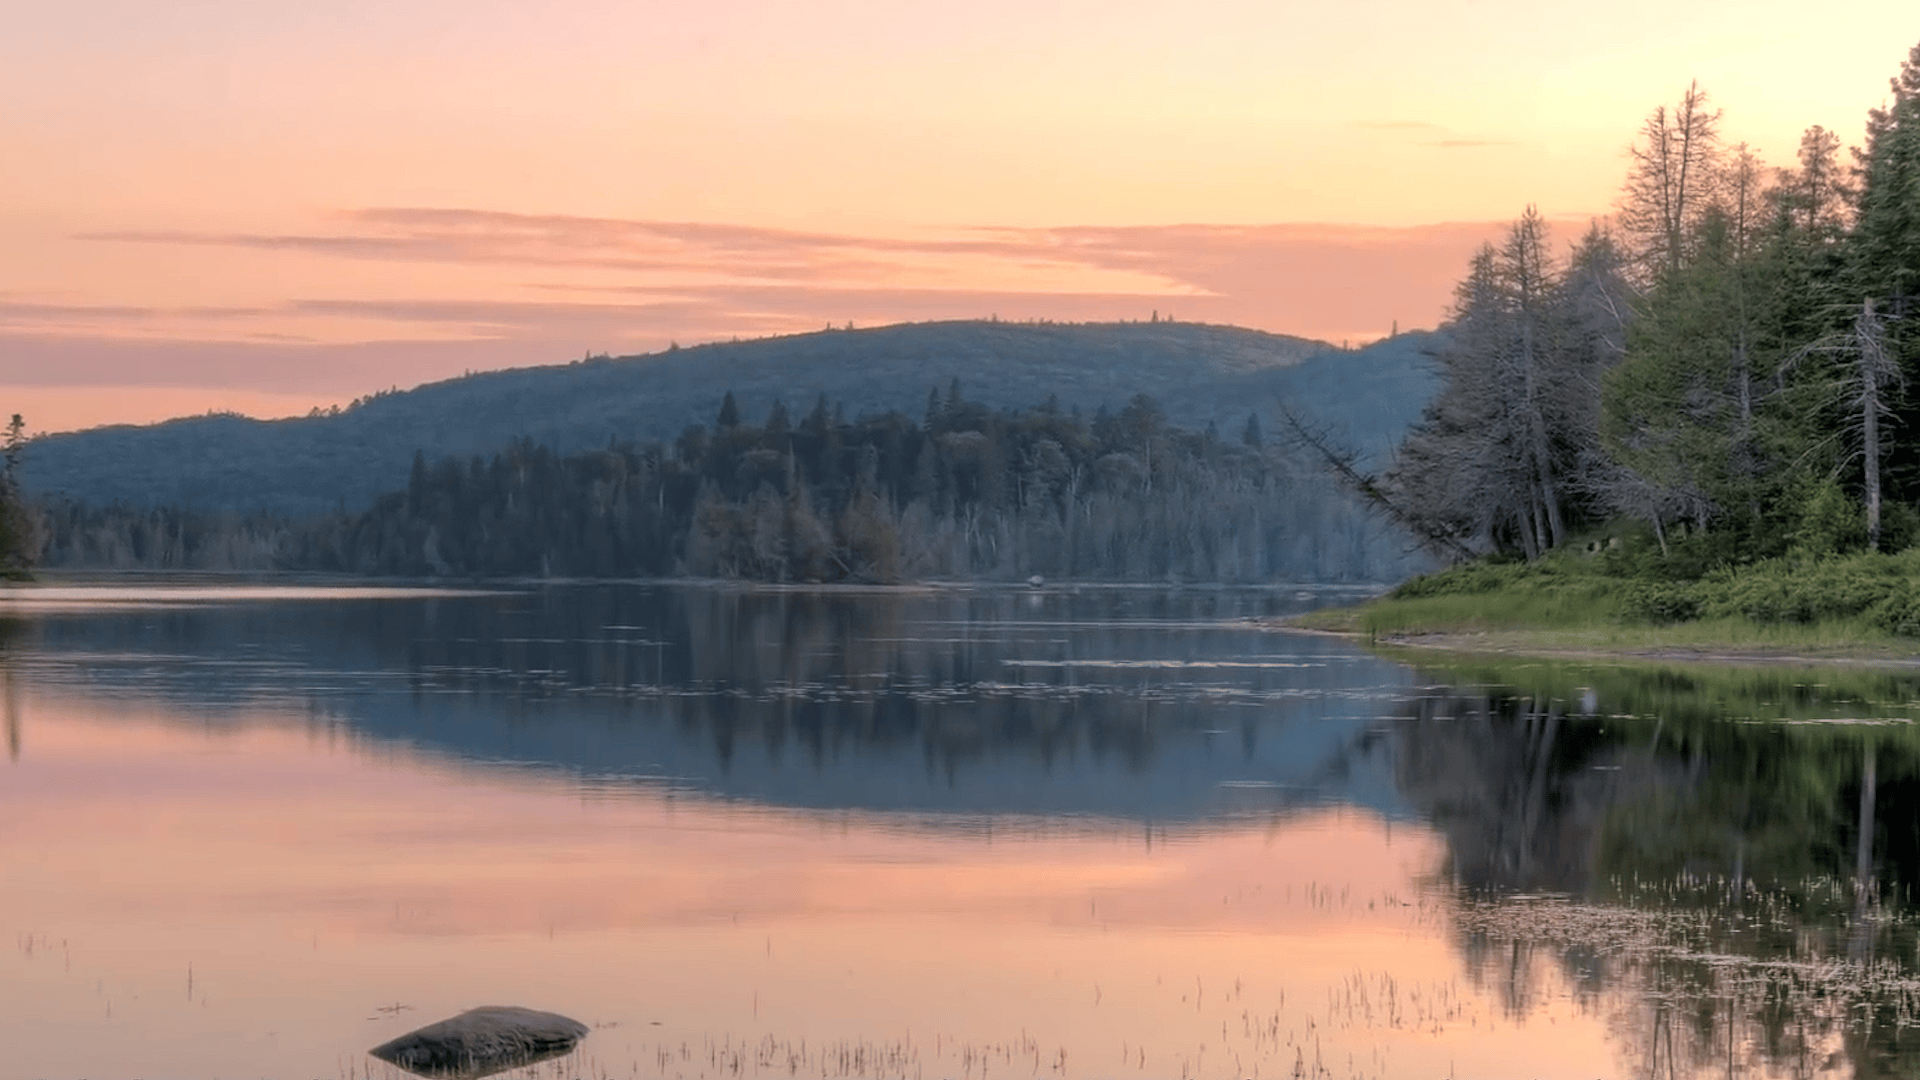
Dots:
(1859, 608)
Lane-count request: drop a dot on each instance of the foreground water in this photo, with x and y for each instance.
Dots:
(253, 832)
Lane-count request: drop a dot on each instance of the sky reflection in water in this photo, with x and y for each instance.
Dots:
(759, 834)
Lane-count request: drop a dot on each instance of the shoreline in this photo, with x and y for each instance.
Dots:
(60, 577)
(1598, 645)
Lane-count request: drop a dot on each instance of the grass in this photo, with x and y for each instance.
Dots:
(1818, 705)
(1620, 601)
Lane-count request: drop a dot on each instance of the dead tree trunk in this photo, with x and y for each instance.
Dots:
(1870, 345)
(1368, 488)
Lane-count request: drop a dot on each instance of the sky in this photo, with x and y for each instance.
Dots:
(268, 205)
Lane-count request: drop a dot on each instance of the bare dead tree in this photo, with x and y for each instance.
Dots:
(1528, 275)
(1868, 377)
(1672, 180)
(1341, 463)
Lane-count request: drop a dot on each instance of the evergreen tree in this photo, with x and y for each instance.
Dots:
(1815, 198)
(1883, 250)
(777, 433)
(19, 532)
(1677, 410)
(417, 483)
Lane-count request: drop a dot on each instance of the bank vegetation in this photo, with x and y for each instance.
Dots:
(1696, 423)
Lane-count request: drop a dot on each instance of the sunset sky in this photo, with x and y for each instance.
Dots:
(267, 205)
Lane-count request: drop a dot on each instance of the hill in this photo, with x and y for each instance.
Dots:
(1200, 374)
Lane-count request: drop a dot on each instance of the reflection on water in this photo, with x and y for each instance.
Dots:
(937, 833)
(1726, 855)
(985, 703)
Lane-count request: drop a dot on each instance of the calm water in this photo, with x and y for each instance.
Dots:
(1096, 833)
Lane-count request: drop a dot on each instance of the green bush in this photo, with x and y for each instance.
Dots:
(1830, 522)
(1629, 581)
(1899, 527)
(1690, 553)
(1659, 602)
(1805, 591)
(1899, 612)
(1466, 579)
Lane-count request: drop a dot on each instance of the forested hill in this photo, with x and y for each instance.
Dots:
(1200, 374)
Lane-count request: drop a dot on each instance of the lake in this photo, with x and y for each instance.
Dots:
(252, 831)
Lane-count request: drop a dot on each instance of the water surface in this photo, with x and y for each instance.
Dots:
(1139, 832)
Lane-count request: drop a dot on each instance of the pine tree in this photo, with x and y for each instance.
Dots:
(1883, 250)
(1250, 435)
(1815, 198)
(19, 534)
(1671, 408)
(1885, 245)
(777, 432)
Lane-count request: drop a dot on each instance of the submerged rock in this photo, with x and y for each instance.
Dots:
(483, 1041)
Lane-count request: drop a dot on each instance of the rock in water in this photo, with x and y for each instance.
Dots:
(483, 1041)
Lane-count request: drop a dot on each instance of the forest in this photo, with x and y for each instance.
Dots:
(1727, 362)
(965, 492)
(1199, 374)
(1700, 414)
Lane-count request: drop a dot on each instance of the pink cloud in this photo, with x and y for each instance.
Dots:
(629, 286)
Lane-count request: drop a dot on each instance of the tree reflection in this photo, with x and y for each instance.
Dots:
(1719, 861)
(1147, 704)
(10, 688)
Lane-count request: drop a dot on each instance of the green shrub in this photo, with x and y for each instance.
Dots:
(1659, 602)
(1830, 522)
(1574, 588)
(1899, 527)
(1805, 591)
(1899, 612)
(1466, 579)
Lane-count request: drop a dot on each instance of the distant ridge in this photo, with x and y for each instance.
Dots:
(1200, 374)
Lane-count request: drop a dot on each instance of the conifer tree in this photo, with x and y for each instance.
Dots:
(1883, 250)
(1673, 408)
(19, 536)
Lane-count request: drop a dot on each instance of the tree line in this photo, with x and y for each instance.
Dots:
(965, 492)
(1728, 361)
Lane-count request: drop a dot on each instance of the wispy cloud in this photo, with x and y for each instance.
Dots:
(15, 312)
(1393, 125)
(1171, 261)
(568, 285)
(455, 235)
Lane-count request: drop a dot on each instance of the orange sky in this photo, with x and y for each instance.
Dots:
(266, 205)
(307, 877)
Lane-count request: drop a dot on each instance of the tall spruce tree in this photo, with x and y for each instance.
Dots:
(1677, 410)
(19, 537)
(1883, 251)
